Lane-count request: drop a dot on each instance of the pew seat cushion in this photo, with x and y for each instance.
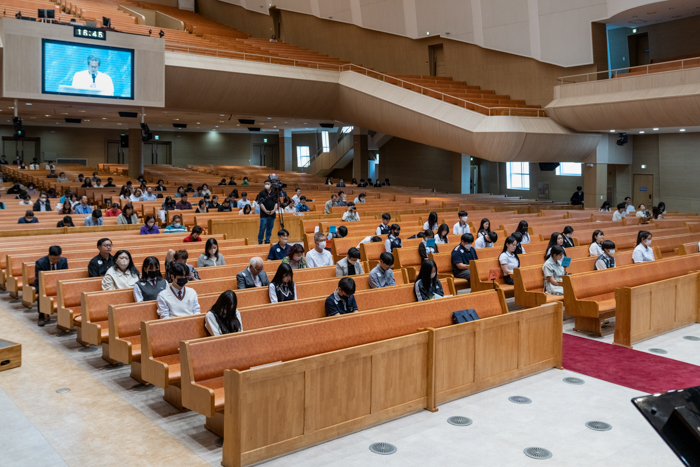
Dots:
(173, 362)
(77, 318)
(135, 346)
(606, 301)
(554, 298)
(216, 384)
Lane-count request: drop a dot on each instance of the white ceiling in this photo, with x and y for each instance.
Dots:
(653, 13)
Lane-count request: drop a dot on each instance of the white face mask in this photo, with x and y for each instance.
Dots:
(267, 186)
(569, 235)
(322, 245)
(464, 219)
(647, 242)
(432, 275)
(352, 261)
(468, 246)
(150, 225)
(611, 252)
(176, 224)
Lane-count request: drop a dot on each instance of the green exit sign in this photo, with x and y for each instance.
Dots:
(265, 140)
(157, 137)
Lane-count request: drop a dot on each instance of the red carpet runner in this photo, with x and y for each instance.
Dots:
(626, 367)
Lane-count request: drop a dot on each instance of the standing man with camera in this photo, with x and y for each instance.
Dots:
(269, 202)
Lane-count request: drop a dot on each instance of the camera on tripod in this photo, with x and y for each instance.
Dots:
(275, 182)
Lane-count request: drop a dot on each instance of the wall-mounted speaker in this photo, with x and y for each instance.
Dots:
(548, 166)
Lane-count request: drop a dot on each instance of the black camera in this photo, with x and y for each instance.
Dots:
(275, 182)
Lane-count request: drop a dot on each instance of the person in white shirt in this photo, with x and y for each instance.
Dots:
(297, 196)
(607, 259)
(643, 252)
(319, 256)
(34, 166)
(244, 200)
(483, 242)
(523, 229)
(508, 259)
(432, 223)
(93, 79)
(137, 196)
(224, 317)
(596, 248)
(461, 227)
(643, 212)
(150, 196)
(351, 214)
(605, 207)
(360, 198)
(620, 213)
(629, 207)
(178, 300)
(384, 228)
(123, 275)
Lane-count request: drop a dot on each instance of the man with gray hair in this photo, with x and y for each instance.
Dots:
(92, 79)
(319, 256)
(253, 275)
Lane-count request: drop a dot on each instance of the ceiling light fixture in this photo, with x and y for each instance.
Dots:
(682, 129)
(656, 129)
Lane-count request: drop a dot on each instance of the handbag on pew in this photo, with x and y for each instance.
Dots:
(464, 316)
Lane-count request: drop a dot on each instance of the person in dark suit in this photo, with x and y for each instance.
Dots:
(253, 275)
(341, 183)
(28, 218)
(51, 262)
(577, 197)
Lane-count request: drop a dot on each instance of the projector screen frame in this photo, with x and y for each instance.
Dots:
(44, 41)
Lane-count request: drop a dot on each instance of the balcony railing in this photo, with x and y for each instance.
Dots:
(631, 71)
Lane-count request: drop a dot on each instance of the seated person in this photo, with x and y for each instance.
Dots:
(350, 265)
(149, 227)
(643, 212)
(508, 259)
(52, 262)
(214, 203)
(441, 236)
(189, 189)
(177, 299)
(393, 241)
(225, 206)
(28, 218)
(518, 241)
(183, 204)
(222, 182)
(52, 174)
(151, 282)
(295, 259)
(330, 203)
(244, 200)
(67, 221)
(302, 206)
(382, 275)
(360, 198)
(179, 256)
(246, 210)
(342, 301)
(82, 207)
(384, 227)
(232, 181)
(282, 288)
(42, 204)
(149, 195)
(620, 213)
(211, 255)
(596, 247)
(110, 183)
(607, 259)
(297, 196)
(113, 210)
(280, 250)
(128, 216)
(224, 317)
(461, 227)
(319, 256)
(351, 214)
(123, 274)
(245, 182)
(94, 219)
(176, 226)
(423, 249)
(461, 255)
(169, 204)
(486, 239)
(643, 252)
(26, 201)
(253, 276)
(428, 286)
(553, 272)
(194, 236)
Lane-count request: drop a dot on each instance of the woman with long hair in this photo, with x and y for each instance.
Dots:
(124, 193)
(202, 207)
(211, 255)
(484, 227)
(123, 275)
(605, 207)
(128, 216)
(442, 232)
(568, 237)
(296, 257)
(224, 317)
(596, 248)
(282, 287)
(555, 239)
(523, 229)
(508, 259)
(66, 208)
(643, 252)
(151, 282)
(553, 272)
(432, 223)
(427, 284)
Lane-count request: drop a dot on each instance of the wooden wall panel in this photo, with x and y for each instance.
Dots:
(497, 350)
(448, 374)
(399, 377)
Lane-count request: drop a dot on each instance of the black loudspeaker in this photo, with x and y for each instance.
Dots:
(51, 13)
(41, 13)
(622, 140)
(124, 141)
(327, 125)
(548, 166)
(106, 22)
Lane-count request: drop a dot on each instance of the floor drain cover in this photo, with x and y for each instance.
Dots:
(382, 448)
(659, 351)
(538, 453)
(599, 426)
(219, 443)
(62, 390)
(572, 380)
(520, 400)
(459, 421)
(691, 338)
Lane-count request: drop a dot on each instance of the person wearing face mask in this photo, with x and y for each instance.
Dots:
(508, 259)
(342, 301)
(319, 257)
(423, 249)
(607, 259)
(179, 256)
(94, 219)
(151, 282)
(295, 259)
(42, 204)
(643, 252)
(568, 237)
(29, 218)
(596, 247)
(149, 227)
(360, 198)
(177, 299)
(282, 288)
(350, 265)
(31, 191)
(382, 275)
(268, 203)
(553, 272)
(461, 227)
(461, 255)
(224, 317)
(176, 226)
(280, 250)
(253, 276)
(123, 275)
(52, 262)
(393, 241)
(211, 255)
(427, 286)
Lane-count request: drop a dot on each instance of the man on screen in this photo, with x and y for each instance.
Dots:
(94, 79)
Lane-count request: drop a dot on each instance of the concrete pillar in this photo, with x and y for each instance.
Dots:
(466, 174)
(286, 149)
(135, 153)
(595, 184)
(360, 160)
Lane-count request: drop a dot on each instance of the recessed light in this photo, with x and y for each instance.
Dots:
(612, 131)
(197, 123)
(81, 111)
(641, 132)
(656, 129)
(427, 33)
(28, 103)
(12, 107)
(682, 129)
(104, 118)
(118, 123)
(269, 118)
(176, 119)
(222, 115)
(47, 115)
(87, 120)
(217, 126)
